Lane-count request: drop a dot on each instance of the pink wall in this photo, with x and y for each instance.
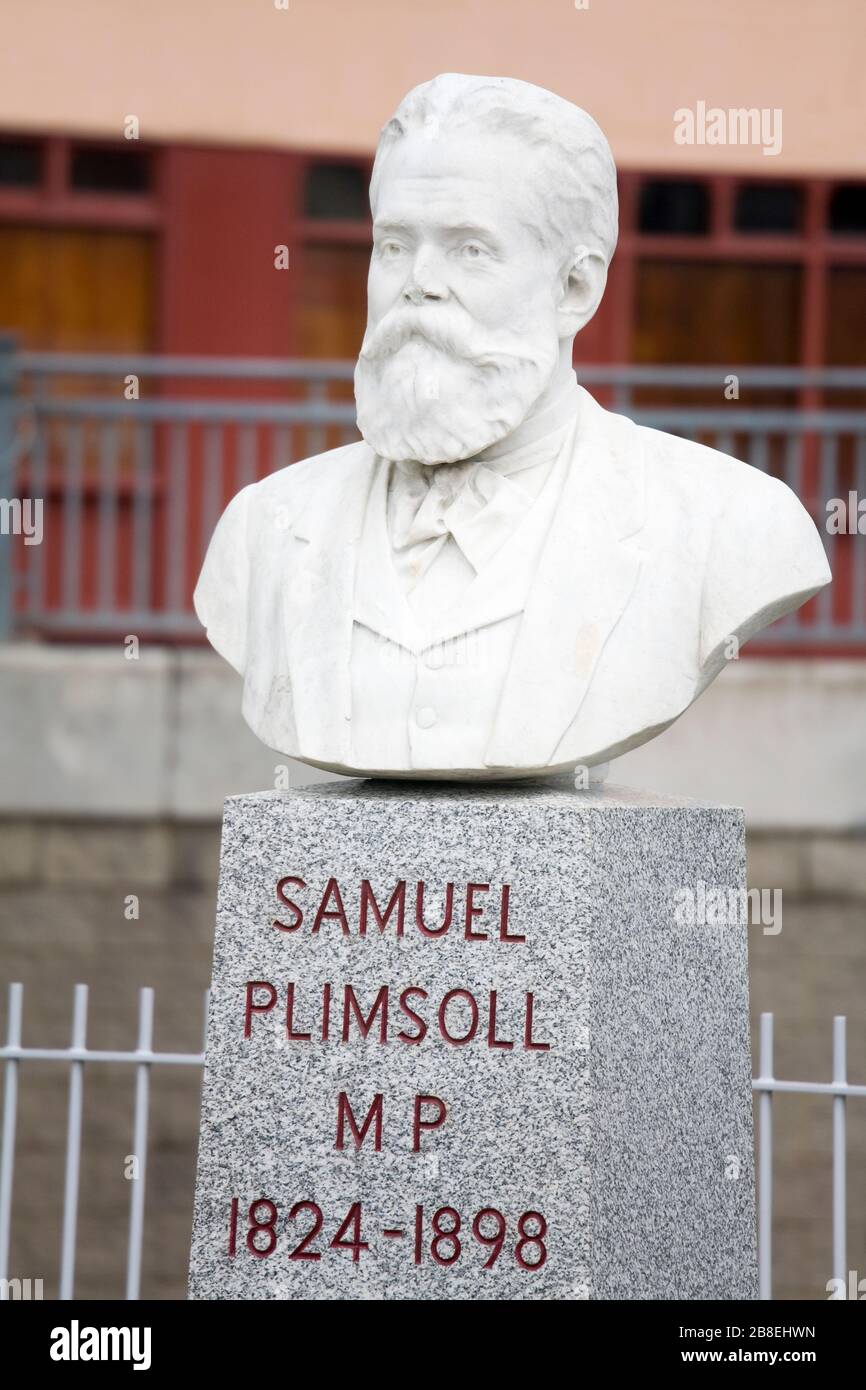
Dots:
(324, 74)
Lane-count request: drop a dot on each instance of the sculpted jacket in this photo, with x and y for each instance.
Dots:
(660, 558)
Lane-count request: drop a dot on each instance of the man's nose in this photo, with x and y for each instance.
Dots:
(426, 280)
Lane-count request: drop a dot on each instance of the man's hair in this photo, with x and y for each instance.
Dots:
(571, 158)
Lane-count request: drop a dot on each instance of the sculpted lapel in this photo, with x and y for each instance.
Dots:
(586, 574)
(316, 597)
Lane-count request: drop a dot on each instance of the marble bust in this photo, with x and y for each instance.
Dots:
(501, 579)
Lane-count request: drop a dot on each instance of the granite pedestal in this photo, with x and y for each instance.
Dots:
(476, 1042)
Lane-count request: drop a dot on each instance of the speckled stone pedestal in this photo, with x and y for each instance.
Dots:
(568, 1047)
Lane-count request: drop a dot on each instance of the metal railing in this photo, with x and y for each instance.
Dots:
(143, 1057)
(133, 458)
(76, 1055)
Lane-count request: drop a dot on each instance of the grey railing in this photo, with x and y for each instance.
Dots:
(132, 458)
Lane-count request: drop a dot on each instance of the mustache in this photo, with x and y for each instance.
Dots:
(439, 328)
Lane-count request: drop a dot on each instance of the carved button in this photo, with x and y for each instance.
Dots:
(425, 717)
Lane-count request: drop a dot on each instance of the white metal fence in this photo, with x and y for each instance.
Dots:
(765, 1085)
(76, 1055)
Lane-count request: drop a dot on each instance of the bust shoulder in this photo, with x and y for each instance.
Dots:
(763, 554)
(697, 481)
(292, 486)
(699, 465)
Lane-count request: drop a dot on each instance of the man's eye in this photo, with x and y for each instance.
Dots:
(472, 251)
(390, 249)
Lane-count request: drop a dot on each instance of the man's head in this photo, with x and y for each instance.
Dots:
(494, 221)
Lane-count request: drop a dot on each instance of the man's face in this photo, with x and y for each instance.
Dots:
(461, 334)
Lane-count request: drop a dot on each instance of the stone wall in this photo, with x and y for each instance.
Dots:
(90, 734)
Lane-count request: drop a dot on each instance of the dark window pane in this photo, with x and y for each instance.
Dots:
(846, 314)
(848, 209)
(768, 207)
(677, 206)
(337, 191)
(20, 163)
(717, 312)
(96, 169)
(845, 340)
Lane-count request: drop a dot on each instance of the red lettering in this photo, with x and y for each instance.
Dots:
(290, 1018)
(287, 902)
(253, 1008)
(503, 917)
(348, 1236)
(350, 1003)
(492, 1040)
(326, 1012)
(473, 1009)
(412, 1016)
(373, 1117)
(473, 911)
(331, 908)
(418, 1124)
(398, 899)
(419, 911)
(527, 1032)
(269, 1228)
(337, 913)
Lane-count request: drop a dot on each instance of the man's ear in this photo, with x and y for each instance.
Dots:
(584, 277)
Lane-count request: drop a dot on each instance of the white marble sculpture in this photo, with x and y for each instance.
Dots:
(502, 579)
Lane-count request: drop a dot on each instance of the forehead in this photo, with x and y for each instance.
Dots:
(460, 175)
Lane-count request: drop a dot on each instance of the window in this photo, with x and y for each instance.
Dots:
(20, 163)
(336, 192)
(717, 311)
(845, 344)
(110, 169)
(768, 207)
(848, 209)
(678, 207)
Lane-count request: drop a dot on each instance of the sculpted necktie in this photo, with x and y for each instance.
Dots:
(476, 505)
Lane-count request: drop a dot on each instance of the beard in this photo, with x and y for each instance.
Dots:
(431, 386)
